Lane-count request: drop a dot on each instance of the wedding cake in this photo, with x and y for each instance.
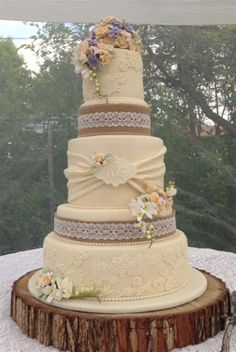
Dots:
(115, 246)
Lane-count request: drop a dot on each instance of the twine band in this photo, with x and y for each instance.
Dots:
(113, 130)
(91, 109)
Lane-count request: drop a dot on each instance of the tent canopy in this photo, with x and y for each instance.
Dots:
(173, 12)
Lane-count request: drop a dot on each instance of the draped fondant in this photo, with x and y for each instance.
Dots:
(85, 189)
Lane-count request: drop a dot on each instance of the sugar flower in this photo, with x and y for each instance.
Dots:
(53, 286)
(128, 28)
(92, 41)
(45, 279)
(98, 158)
(93, 60)
(116, 23)
(149, 205)
(101, 32)
(171, 191)
(122, 41)
(106, 20)
(65, 286)
(140, 207)
(153, 197)
(114, 32)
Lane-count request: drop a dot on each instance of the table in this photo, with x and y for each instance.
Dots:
(12, 266)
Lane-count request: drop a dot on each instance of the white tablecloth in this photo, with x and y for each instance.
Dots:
(12, 266)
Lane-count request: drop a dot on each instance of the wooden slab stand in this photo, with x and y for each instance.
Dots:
(158, 331)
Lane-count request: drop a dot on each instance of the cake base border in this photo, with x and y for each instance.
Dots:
(158, 331)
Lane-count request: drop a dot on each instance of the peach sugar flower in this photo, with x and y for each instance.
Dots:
(105, 58)
(153, 197)
(101, 32)
(106, 20)
(46, 279)
(109, 41)
(98, 158)
(83, 47)
(122, 41)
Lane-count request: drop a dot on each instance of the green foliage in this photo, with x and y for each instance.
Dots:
(32, 105)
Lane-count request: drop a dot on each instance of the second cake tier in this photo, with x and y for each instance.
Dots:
(133, 165)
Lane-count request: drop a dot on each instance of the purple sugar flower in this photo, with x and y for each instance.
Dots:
(128, 28)
(93, 60)
(116, 23)
(114, 32)
(92, 41)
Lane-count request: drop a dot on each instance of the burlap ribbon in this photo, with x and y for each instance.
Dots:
(114, 108)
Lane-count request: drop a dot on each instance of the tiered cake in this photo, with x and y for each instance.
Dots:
(116, 238)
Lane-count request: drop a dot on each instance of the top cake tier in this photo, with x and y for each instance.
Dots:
(120, 82)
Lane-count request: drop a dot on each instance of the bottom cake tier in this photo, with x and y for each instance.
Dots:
(131, 277)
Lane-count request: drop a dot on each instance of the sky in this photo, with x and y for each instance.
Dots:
(20, 32)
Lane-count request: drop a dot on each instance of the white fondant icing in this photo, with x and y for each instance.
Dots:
(192, 290)
(144, 152)
(96, 214)
(123, 77)
(121, 272)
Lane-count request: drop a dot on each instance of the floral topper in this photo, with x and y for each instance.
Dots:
(149, 205)
(53, 286)
(96, 51)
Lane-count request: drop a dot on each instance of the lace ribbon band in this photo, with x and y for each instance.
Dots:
(108, 231)
(101, 121)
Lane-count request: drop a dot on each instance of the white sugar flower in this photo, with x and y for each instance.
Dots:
(55, 294)
(136, 207)
(140, 207)
(66, 287)
(49, 292)
(171, 191)
(150, 209)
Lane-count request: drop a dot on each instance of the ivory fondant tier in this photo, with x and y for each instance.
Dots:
(195, 287)
(121, 81)
(100, 214)
(122, 272)
(144, 154)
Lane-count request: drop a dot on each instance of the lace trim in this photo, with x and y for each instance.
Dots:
(111, 231)
(114, 119)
